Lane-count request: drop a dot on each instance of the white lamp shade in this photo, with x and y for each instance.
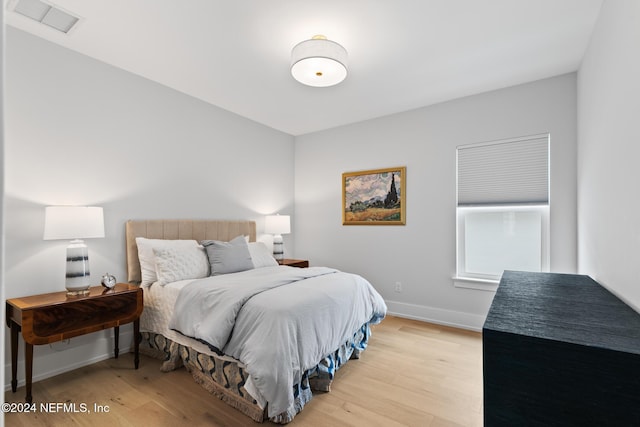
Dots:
(277, 224)
(73, 222)
(319, 62)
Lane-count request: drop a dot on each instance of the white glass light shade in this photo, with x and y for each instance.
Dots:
(73, 222)
(319, 62)
(277, 224)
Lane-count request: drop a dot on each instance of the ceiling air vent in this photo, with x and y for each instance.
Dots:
(46, 14)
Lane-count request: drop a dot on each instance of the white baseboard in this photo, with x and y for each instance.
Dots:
(457, 319)
(56, 359)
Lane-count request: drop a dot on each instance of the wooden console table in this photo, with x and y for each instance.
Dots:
(560, 350)
(53, 317)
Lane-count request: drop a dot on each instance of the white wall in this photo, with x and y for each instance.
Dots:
(81, 132)
(608, 152)
(421, 255)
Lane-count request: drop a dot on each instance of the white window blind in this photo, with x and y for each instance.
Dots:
(510, 172)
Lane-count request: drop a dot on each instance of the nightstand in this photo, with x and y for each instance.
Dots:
(302, 263)
(48, 318)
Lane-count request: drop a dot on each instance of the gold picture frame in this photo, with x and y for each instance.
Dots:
(374, 197)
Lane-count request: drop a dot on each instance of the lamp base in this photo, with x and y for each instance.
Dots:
(77, 276)
(278, 247)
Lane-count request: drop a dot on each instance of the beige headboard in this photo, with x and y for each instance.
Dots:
(174, 229)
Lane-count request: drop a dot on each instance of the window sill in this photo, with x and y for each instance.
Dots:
(477, 284)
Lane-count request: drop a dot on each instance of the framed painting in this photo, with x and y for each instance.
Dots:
(374, 197)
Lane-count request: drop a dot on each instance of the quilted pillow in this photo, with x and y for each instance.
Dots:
(261, 256)
(174, 264)
(228, 257)
(147, 257)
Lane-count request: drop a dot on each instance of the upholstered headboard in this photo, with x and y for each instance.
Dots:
(173, 229)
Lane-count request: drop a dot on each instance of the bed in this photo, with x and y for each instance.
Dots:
(257, 335)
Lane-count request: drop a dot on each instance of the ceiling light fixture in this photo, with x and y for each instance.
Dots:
(319, 62)
(45, 13)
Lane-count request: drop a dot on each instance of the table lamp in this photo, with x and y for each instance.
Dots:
(277, 225)
(74, 223)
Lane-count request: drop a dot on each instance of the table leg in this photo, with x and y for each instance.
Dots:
(136, 342)
(14, 356)
(116, 333)
(28, 368)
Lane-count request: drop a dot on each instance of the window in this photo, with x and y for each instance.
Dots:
(503, 207)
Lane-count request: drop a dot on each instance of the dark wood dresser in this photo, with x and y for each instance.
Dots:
(560, 350)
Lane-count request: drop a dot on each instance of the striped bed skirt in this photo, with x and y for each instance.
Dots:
(226, 378)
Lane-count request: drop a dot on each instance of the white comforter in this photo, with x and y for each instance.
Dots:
(278, 321)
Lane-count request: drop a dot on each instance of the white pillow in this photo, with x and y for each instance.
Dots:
(180, 264)
(147, 258)
(261, 256)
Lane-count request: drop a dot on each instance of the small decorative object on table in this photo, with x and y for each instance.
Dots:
(108, 281)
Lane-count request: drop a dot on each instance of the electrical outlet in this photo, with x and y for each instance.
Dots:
(398, 287)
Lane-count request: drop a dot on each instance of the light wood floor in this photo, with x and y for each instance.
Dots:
(412, 374)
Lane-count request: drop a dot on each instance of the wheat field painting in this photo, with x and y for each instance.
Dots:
(374, 197)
